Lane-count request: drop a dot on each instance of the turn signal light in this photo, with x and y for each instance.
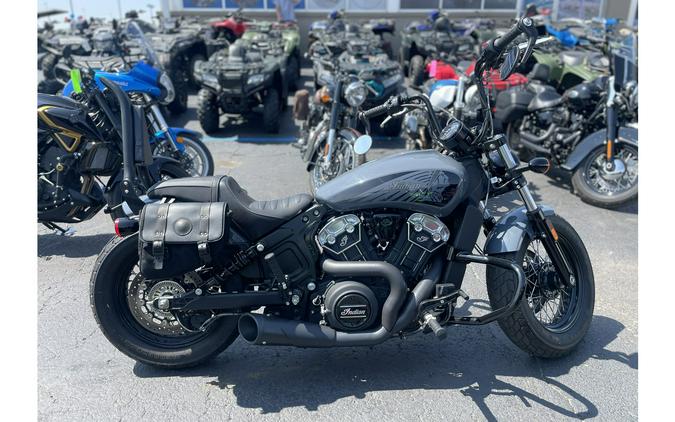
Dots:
(125, 226)
(539, 165)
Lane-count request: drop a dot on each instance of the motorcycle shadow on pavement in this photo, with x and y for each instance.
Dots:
(478, 362)
(77, 246)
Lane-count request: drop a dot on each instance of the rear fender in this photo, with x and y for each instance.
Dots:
(510, 231)
(627, 135)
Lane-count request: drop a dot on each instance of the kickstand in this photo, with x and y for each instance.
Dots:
(58, 230)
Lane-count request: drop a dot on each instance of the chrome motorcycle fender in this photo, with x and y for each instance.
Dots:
(627, 135)
(510, 230)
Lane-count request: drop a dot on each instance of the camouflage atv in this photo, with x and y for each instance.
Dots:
(249, 76)
(290, 35)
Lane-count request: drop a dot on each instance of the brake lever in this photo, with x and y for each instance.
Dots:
(391, 116)
(532, 35)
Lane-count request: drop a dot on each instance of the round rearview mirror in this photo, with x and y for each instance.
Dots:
(510, 62)
(363, 144)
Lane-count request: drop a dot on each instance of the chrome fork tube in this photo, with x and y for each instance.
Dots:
(158, 123)
(523, 190)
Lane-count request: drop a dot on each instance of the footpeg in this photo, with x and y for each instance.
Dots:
(431, 322)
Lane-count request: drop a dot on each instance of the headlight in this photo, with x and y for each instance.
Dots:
(356, 94)
(209, 79)
(325, 77)
(255, 79)
(167, 87)
(391, 80)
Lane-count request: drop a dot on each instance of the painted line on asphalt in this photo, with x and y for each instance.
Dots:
(269, 139)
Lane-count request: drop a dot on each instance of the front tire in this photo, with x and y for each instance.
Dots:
(598, 188)
(535, 326)
(207, 111)
(271, 111)
(180, 80)
(115, 270)
(196, 160)
(416, 70)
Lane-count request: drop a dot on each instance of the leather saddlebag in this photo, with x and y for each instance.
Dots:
(175, 238)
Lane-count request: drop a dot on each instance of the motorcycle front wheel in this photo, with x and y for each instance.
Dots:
(608, 186)
(549, 321)
(343, 160)
(121, 301)
(196, 159)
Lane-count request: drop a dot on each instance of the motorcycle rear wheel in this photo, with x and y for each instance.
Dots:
(114, 272)
(549, 322)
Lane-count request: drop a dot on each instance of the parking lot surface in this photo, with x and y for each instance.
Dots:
(474, 374)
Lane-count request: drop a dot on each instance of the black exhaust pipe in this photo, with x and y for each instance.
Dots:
(265, 330)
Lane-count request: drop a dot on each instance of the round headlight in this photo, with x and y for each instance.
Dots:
(356, 94)
(167, 88)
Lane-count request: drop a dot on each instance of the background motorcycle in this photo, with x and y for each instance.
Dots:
(328, 134)
(148, 87)
(380, 252)
(582, 131)
(81, 139)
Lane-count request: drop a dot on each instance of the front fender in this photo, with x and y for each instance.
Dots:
(596, 139)
(510, 230)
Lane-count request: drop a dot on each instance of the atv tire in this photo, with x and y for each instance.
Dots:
(416, 70)
(293, 72)
(271, 111)
(49, 61)
(207, 111)
(191, 68)
(180, 80)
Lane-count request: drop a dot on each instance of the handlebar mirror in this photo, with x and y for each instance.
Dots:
(362, 144)
(509, 64)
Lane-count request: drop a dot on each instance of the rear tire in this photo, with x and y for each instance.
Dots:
(208, 113)
(271, 111)
(49, 61)
(108, 298)
(416, 70)
(523, 327)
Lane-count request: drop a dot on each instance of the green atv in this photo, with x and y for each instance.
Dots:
(290, 34)
(570, 68)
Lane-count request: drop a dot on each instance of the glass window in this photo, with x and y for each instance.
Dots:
(203, 4)
(419, 4)
(367, 4)
(500, 4)
(299, 4)
(461, 4)
(582, 9)
(325, 4)
(246, 4)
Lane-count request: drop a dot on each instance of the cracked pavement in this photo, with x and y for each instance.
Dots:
(474, 374)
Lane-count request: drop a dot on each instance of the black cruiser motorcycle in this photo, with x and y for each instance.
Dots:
(84, 138)
(380, 252)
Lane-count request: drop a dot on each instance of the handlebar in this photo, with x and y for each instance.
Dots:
(521, 27)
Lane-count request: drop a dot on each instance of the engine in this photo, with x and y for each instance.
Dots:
(407, 243)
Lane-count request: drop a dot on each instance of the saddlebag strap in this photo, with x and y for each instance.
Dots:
(158, 240)
(202, 244)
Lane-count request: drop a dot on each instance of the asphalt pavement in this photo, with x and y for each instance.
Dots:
(476, 373)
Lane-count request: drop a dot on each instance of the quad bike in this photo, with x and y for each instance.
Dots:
(378, 253)
(224, 32)
(438, 38)
(249, 75)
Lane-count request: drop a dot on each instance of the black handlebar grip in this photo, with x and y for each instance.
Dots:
(376, 111)
(522, 26)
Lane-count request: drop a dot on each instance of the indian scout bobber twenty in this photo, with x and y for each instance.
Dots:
(379, 252)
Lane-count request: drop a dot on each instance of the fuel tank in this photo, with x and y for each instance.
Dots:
(418, 181)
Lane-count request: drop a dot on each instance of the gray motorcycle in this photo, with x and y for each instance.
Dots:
(379, 252)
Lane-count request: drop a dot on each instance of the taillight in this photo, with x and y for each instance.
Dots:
(125, 226)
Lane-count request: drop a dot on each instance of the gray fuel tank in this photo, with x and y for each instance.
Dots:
(419, 181)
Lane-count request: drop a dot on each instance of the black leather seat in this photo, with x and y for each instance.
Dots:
(254, 218)
(545, 99)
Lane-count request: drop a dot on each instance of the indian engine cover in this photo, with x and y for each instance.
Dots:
(350, 306)
(419, 181)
